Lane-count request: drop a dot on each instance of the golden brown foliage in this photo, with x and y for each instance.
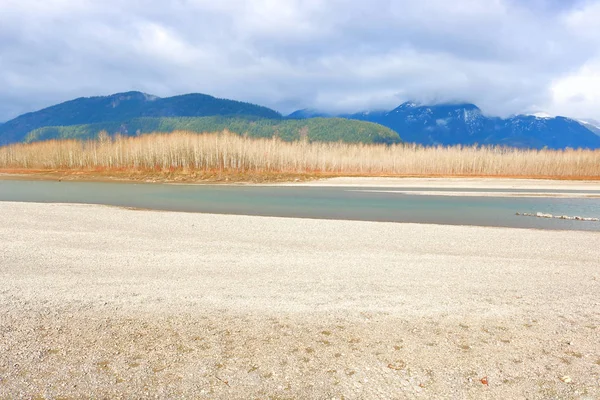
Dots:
(233, 154)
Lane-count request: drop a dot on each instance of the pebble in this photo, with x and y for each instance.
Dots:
(566, 379)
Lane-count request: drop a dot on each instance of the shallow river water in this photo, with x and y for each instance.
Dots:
(368, 204)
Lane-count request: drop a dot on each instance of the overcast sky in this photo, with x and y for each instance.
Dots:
(507, 56)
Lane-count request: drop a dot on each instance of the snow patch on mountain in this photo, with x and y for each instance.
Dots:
(590, 122)
(542, 115)
(471, 116)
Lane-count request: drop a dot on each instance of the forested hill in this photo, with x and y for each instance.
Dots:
(314, 129)
(127, 106)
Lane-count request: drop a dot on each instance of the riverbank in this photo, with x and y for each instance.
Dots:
(464, 186)
(149, 176)
(550, 185)
(479, 183)
(432, 186)
(125, 303)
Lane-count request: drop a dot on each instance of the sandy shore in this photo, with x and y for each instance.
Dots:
(312, 180)
(456, 183)
(520, 193)
(106, 302)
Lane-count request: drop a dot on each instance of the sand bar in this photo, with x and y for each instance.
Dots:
(126, 303)
(455, 183)
(570, 195)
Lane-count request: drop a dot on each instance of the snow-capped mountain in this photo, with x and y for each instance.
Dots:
(452, 124)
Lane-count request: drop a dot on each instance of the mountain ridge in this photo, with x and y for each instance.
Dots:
(125, 106)
(430, 125)
(465, 124)
(592, 125)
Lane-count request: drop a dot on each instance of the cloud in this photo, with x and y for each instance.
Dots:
(578, 94)
(507, 56)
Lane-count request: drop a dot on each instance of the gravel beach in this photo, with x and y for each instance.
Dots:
(103, 302)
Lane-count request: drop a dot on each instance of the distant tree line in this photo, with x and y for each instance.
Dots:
(313, 129)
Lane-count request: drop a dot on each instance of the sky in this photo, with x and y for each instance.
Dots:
(506, 56)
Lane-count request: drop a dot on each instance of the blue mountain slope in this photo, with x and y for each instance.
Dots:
(453, 124)
(127, 106)
(308, 113)
(592, 125)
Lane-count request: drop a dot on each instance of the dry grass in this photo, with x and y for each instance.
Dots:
(190, 156)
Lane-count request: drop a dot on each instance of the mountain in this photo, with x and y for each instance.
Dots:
(127, 106)
(592, 125)
(554, 133)
(464, 124)
(443, 124)
(309, 113)
(314, 129)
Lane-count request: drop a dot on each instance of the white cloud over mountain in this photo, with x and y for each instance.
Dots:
(507, 56)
